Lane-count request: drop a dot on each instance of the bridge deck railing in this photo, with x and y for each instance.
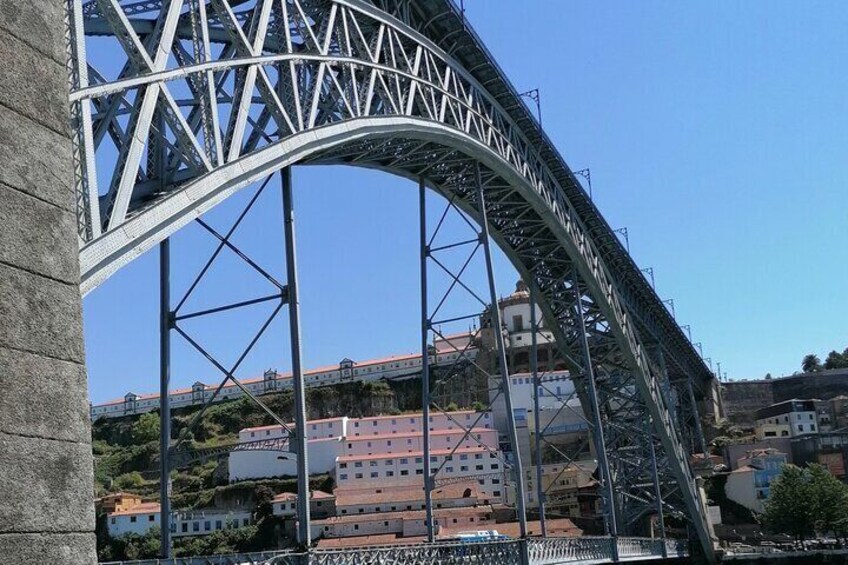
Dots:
(533, 551)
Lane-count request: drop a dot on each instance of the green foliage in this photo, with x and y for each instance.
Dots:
(834, 360)
(830, 501)
(129, 481)
(811, 363)
(239, 540)
(789, 508)
(146, 429)
(129, 546)
(805, 501)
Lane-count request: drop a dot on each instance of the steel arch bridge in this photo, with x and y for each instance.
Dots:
(209, 96)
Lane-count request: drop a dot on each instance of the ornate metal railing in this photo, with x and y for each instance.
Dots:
(534, 551)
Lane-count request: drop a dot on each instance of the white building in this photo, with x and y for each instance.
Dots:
(137, 519)
(750, 484)
(140, 518)
(265, 451)
(791, 418)
(397, 367)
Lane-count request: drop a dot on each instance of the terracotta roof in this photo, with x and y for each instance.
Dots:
(406, 515)
(143, 508)
(409, 415)
(314, 495)
(556, 527)
(410, 454)
(408, 494)
(288, 375)
(456, 431)
(366, 541)
(744, 469)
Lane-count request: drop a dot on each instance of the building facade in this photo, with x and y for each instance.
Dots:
(749, 485)
(791, 418)
(442, 354)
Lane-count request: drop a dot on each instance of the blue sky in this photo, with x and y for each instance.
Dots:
(716, 133)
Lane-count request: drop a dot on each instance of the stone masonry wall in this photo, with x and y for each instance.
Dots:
(46, 511)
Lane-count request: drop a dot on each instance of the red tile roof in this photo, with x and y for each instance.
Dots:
(143, 508)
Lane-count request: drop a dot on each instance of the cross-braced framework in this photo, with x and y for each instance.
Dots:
(436, 254)
(282, 295)
(548, 442)
(212, 95)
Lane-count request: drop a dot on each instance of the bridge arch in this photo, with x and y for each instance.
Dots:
(216, 94)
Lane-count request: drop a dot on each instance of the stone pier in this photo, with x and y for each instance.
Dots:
(46, 510)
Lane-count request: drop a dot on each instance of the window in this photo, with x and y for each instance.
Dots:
(433, 459)
(517, 325)
(496, 493)
(372, 464)
(356, 526)
(185, 527)
(389, 442)
(113, 520)
(358, 464)
(404, 472)
(245, 522)
(342, 465)
(358, 476)
(478, 467)
(478, 456)
(375, 474)
(151, 518)
(218, 524)
(419, 459)
(419, 472)
(195, 526)
(448, 469)
(132, 519)
(390, 462)
(390, 473)
(207, 526)
(404, 461)
(463, 457)
(494, 466)
(343, 476)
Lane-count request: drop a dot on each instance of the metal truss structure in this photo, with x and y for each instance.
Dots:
(213, 95)
(433, 253)
(172, 456)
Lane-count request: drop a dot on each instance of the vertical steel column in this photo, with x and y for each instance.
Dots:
(303, 526)
(699, 432)
(425, 360)
(649, 430)
(165, 323)
(598, 432)
(537, 384)
(502, 364)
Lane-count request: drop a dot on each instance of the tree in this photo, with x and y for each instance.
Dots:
(790, 506)
(835, 360)
(811, 363)
(146, 429)
(830, 500)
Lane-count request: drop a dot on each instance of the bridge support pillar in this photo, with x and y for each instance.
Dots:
(46, 509)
